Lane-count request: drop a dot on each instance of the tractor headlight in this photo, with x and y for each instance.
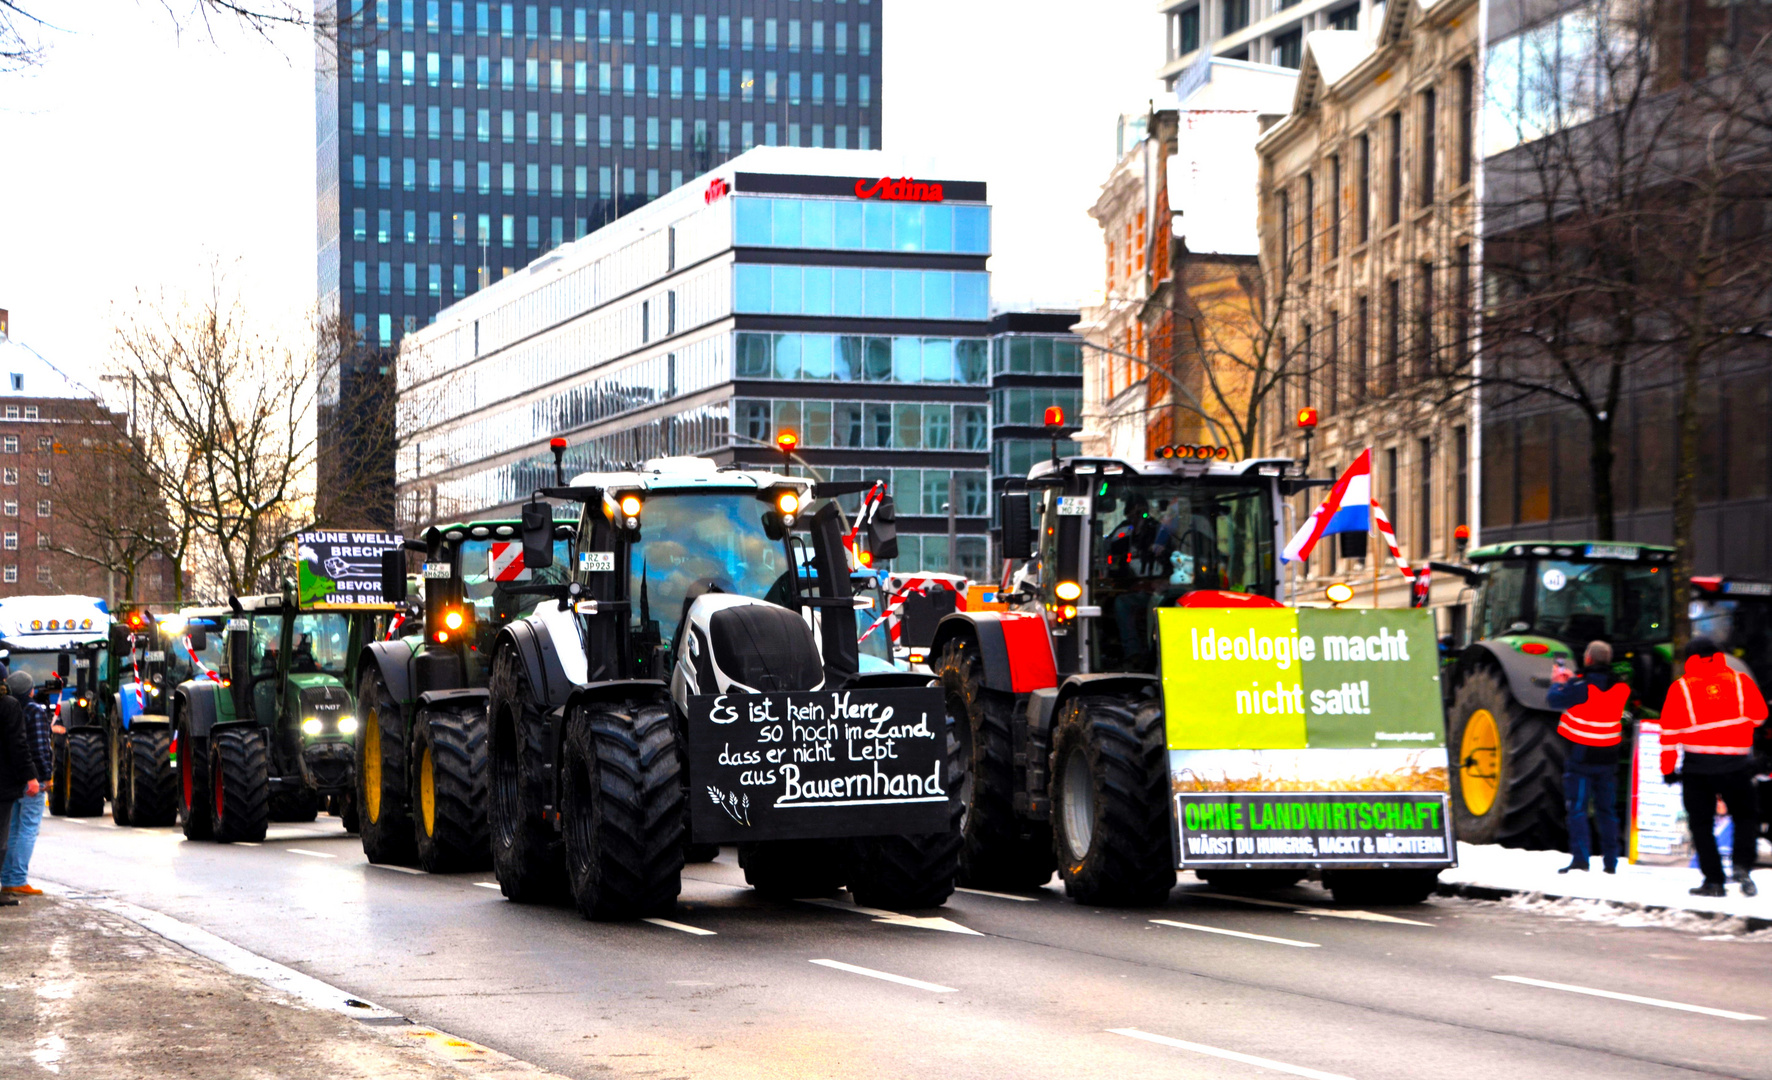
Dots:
(788, 502)
(452, 619)
(347, 725)
(312, 726)
(1068, 590)
(630, 505)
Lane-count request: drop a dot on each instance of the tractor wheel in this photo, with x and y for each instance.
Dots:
(385, 820)
(622, 809)
(998, 850)
(1380, 887)
(349, 815)
(1110, 800)
(58, 768)
(294, 804)
(1507, 772)
(117, 775)
(901, 872)
(152, 786)
(526, 854)
(790, 869)
(449, 789)
(239, 784)
(193, 787)
(84, 774)
(1250, 881)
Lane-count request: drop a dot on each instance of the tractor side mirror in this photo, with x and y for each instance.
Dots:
(1017, 514)
(393, 575)
(199, 640)
(538, 535)
(63, 665)
(883, 530)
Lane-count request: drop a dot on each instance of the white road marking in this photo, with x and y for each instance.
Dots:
(247, 843)
(1228, 1055)
(487, 884)
(893, 918)
(1616, 996)
(887, 976)
(687, 929)
(1001, 895)
(1237, 933)
(310, 854)
(397, 869)
(1331, 913)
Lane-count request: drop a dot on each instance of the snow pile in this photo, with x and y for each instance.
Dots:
(1533, 879)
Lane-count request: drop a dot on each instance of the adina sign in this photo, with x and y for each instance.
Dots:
(903, 189)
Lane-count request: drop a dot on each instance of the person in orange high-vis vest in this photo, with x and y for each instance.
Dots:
(1592, 724)
(1710, 714)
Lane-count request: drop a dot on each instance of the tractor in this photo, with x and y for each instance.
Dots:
(1538, 603)
(421, 698)
(1089, 754)
(62, 642)
(272, 740)
(675, 685)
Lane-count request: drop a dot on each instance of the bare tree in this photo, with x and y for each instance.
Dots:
(23, 23)
(115, 519)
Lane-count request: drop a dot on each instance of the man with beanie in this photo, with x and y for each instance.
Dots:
(1711, 713)
(18, 767)
(27, 813)
(1592, 725)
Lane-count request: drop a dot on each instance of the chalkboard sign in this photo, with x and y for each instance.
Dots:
(796, 766)
(338, 569)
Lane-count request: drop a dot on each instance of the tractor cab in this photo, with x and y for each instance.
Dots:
(1114, 541)
(1737, 615)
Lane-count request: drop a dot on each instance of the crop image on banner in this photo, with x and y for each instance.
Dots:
(1269, 699)
(341, 568)
(794, 766)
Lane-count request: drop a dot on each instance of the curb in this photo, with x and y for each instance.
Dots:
(1470, 891)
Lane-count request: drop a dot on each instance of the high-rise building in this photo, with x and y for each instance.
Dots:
(1259, 31)
(1036, 363)
(459, 140)
(821, 292)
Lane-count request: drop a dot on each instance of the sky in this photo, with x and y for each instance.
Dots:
(139, 156)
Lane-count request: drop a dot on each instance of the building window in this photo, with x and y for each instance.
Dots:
(1461, 303)
(1424, 497)
(9, 444)
(1362, 325)
(1394, 174)
(9, 508)
(1335, 206)
(18, 380)
(1236, 15)
(1428, 150)
(1310, 223)
(9, 476)
(1289, 49)
(43, 477)
(1284, 211)
(1345, 18)
(1363, 189)
(11, 540)
(30, 411)
(1392, 314)
(1424, 320)
(1460, 475)
(43, 573)
(45, 442)
(1466, 120)
(42, 540)
(43, 508)
(11, 574)
(1187, 31)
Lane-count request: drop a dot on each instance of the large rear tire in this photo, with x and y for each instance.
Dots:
(84, 773)
(194, 813)
(905, 872)
(152, 785)
(1110, 800)
(528, 857)
(790, 869)
(998, 848)
(117, 772)
(58, 770)
(622, 809)
(1507, 768)
(383, 812)
(449, 790)
(239, 784)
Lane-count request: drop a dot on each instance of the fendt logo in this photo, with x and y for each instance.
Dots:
(717, 189)
(903, 189)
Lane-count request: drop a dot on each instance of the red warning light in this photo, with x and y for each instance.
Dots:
(1307, 418)
(557, 444)
(786, 441)
(1054, 416)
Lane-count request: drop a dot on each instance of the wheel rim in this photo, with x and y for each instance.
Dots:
(372, 766)
(1479, 762)
(427, 793)
(1079, 804)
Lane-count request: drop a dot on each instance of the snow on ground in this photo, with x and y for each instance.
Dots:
(1533, 879)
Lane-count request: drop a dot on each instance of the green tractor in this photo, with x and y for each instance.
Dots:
(421, 698)
(1538, 603)
(131, 704)
(273, 740)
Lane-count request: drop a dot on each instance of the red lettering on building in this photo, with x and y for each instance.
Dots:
(717, 189)
(903, 189)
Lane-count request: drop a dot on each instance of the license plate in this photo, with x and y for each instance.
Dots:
(596, 562)
(437, 571)
(1073, 506)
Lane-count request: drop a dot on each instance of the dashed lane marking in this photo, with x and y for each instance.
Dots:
(1228, 1055)
(1635, 999)
(893, 918)
(1000, 895)
(1237, 934)
(397, 869)
(247, 843)
(310, 854)
(1328, 913)
(886, 976)
(487, 884)
(685, 927)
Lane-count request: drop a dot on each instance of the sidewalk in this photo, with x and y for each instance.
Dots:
(87, 993)
(1487, 872)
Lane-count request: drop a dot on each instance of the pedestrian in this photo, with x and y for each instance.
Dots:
(18, 767)
(1711, 713)
(1592, 725)
(27, 813)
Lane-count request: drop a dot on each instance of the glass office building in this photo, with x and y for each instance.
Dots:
(459, 140)
(1036, 363)
(789, 289)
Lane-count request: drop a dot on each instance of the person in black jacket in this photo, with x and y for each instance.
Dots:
(18, 766)
(1591, 727)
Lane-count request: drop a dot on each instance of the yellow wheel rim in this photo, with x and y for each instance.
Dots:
(427, 793)
(1479, 762)
(372, 767)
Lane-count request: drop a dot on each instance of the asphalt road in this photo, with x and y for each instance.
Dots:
(992, 987)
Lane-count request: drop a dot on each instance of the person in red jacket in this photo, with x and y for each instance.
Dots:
(1592, 725)
(1710, 714)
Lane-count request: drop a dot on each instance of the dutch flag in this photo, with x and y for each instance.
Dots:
(1348, 508)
